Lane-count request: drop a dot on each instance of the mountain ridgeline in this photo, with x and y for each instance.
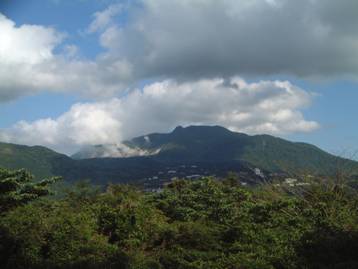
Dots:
(186, 152)
(217, 144)
(41, 161)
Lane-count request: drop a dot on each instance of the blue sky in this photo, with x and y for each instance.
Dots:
(71, 17)
(148, 44)
(334, 108)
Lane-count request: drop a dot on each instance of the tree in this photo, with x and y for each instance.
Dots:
(18, 188)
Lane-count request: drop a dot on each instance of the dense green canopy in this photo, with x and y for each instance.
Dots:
(190, 224)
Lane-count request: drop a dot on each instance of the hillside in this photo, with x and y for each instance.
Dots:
(41, 161)
(189, 152)
(217, 144)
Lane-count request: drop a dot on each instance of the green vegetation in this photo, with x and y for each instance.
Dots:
(17, 188)
(206, 145)
(190, 224)
(39, 160)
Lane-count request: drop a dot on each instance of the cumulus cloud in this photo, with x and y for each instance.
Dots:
(183, 40)
(104, 18)
(29, 65)
(192, 39)
(18, 47)
(261, 107)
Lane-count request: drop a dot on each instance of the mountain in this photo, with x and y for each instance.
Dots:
(217, 144)
(41, 161)
(144, 171)
(190, 152)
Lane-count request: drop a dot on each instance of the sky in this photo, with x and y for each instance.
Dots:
(83, 72)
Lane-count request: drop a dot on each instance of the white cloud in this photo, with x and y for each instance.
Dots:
(28, 44)
(83, 124)
(22, 48)
(262, 107)
(104, 18)
(29, 65)
(184, 40)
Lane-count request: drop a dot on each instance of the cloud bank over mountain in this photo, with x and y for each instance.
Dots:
(264, 107)
(191, 55)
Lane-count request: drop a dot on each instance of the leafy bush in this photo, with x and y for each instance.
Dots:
(191, 224)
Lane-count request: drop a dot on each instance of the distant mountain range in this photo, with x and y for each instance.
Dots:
(185, 152)
(217, 144)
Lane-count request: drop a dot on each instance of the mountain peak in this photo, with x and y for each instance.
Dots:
(178, 129)
(201, 129)
(191, 144)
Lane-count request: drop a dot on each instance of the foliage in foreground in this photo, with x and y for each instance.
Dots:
(191, 224)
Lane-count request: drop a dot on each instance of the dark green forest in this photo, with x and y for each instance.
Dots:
(206, 223)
